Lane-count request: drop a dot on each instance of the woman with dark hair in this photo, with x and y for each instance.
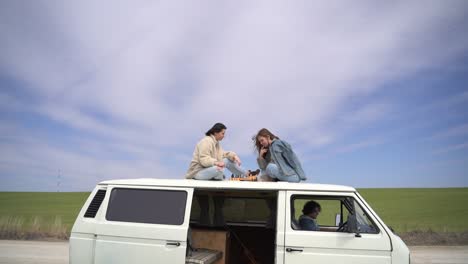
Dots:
(276, 158)
(308, 221)
(209, 159)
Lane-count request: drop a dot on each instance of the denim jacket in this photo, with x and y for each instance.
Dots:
(285, 158)
(307, 223)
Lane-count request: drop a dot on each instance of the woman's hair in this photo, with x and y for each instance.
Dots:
(262, 133)
(218, 127)
(310, 207)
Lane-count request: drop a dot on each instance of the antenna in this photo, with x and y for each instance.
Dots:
(58, 181)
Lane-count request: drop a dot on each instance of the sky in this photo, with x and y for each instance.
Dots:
(368, 93)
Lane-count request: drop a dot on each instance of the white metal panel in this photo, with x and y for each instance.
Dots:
(120, 250)
(280, 227)
(81, 249)
(122, 242)
(82, 237)
(237, 185)
(84, 225)
(400, 253)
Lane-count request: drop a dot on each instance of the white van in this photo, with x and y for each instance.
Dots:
(188, 221)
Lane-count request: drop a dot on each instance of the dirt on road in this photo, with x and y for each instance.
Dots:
(34, 252)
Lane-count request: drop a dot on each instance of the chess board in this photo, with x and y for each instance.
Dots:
(249, 178)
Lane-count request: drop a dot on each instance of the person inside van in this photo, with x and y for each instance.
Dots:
(308, 221)
(209, 159)
(276, 158)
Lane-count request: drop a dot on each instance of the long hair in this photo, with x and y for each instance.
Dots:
(262, 133)
(218, 127)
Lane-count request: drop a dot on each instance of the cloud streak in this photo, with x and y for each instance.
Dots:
(452, 148)
(459, 130)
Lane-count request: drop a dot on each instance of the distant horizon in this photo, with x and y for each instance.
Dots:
(358, 188)
(354, 187)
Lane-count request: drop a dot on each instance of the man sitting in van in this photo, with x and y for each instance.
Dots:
(308, 221)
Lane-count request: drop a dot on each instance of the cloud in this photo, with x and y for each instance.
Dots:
(446, 102)
(360, 145)
(149, 76)
(81, 167)
(368, 113)
(451, 148)
(450, 132)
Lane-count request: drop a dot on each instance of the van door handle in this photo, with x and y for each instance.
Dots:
(173, 244)
(293, 249)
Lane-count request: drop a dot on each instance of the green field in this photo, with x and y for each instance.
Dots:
(38, 212)
(440, 210)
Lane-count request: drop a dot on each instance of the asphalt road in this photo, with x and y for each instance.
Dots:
(452, 255)
(34, 252)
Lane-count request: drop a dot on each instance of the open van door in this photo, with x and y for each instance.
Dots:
(356, 238)
(143, 225)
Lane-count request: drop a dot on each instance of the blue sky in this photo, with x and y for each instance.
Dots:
(368, 94)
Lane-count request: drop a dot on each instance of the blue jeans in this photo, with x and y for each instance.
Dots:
(273, 171)
(212, 173)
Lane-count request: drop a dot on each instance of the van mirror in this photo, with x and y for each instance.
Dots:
(337, 219)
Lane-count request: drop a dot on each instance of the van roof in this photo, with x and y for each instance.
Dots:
(230, 185)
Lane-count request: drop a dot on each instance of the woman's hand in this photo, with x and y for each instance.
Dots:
(237, 160)
(263, 150)
(219, 164)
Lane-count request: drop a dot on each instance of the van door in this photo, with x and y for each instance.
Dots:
(144, 225)
(333, 242)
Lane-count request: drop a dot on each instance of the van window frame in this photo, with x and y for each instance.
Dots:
(241, 194)
(332, 197)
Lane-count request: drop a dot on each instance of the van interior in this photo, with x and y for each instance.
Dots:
(238, 223)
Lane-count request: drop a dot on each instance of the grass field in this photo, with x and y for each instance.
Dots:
(439, 210)
(32, 215)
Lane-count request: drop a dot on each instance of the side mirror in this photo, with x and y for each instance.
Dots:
(337, 219)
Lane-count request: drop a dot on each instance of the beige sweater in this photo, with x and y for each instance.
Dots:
(207, 152)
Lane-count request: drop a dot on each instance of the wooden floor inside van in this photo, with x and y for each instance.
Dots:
(239, 244)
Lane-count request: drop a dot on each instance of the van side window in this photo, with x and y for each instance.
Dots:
(216, 210)
(329, 214)
(149, 206)
(365, 224)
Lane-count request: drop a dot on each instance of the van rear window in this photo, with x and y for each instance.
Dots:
(164, 207)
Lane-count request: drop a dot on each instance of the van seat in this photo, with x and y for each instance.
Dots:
(295, 224)
(203, 256)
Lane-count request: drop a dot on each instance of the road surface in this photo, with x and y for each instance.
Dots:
(34, 252)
